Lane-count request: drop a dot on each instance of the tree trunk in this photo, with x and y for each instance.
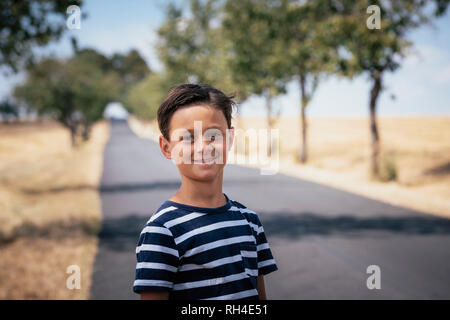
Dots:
(72, 127)
(86, 131)
(303, 155)
(73, 134)
(375, 138)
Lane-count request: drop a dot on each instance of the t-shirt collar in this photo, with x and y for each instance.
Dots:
(223, 208)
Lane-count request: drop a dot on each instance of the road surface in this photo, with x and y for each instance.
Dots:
(323, 239)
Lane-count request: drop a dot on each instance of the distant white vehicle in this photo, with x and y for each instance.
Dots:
(115, 111)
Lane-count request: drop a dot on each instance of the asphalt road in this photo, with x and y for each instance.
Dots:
(323, 239)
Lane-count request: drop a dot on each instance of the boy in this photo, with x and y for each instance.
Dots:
(200, 244)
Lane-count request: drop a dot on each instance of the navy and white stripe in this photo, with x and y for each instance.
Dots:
(203, 253)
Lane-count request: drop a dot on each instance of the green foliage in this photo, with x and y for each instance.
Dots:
(144, 97)
(28, 23)
(382, 49)
(191, 49)
(92, 88)
(131, 68)
(255, 53)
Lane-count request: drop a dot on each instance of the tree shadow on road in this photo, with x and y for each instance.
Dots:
(128, 187)
(123, 233)
(297, 225)
(132, 187)
(161, 185)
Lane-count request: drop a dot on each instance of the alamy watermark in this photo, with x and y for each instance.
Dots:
(74, 19)
(251, 146)
(74, 280)
(374, 20)
(374, 280)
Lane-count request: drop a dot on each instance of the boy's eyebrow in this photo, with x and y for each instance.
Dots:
(212, 127)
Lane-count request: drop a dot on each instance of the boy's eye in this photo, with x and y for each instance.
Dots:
(212, 136)
(209, 136)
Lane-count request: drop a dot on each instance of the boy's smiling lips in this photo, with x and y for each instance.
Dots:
(205, 162)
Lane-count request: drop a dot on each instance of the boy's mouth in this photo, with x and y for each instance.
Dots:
(206, 161)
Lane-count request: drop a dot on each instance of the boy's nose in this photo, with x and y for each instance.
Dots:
(200, 145)
(201, 142)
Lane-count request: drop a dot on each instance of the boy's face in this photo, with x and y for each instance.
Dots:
(198, 136)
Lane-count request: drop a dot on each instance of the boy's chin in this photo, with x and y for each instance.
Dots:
(203, 174)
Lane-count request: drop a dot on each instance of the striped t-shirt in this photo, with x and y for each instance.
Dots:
(203, 253)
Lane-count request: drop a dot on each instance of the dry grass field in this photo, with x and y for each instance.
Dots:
(339, 152)
(50, 209)
(418, 148)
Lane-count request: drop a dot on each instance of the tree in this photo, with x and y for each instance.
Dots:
(28, 23)
(307, 52)
(74, 91)
(192, 47)
(131, 68)
(255, 57)
(377, 51)
(93, 88)
(189, 45)
(177, 46)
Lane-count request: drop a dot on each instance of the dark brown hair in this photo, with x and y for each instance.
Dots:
(188, 94)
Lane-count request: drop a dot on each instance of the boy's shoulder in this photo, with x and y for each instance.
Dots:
(166, 212)
(249, 214)
(237, 204)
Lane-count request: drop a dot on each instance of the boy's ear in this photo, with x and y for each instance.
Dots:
(165, 147)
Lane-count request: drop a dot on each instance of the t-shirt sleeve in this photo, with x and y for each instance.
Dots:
(157, 259)
(266, 261)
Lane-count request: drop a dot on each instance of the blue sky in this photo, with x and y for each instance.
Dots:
(421, 86)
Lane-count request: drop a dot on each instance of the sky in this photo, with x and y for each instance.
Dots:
(420, 87)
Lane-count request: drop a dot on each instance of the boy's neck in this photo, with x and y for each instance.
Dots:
(201, 194)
